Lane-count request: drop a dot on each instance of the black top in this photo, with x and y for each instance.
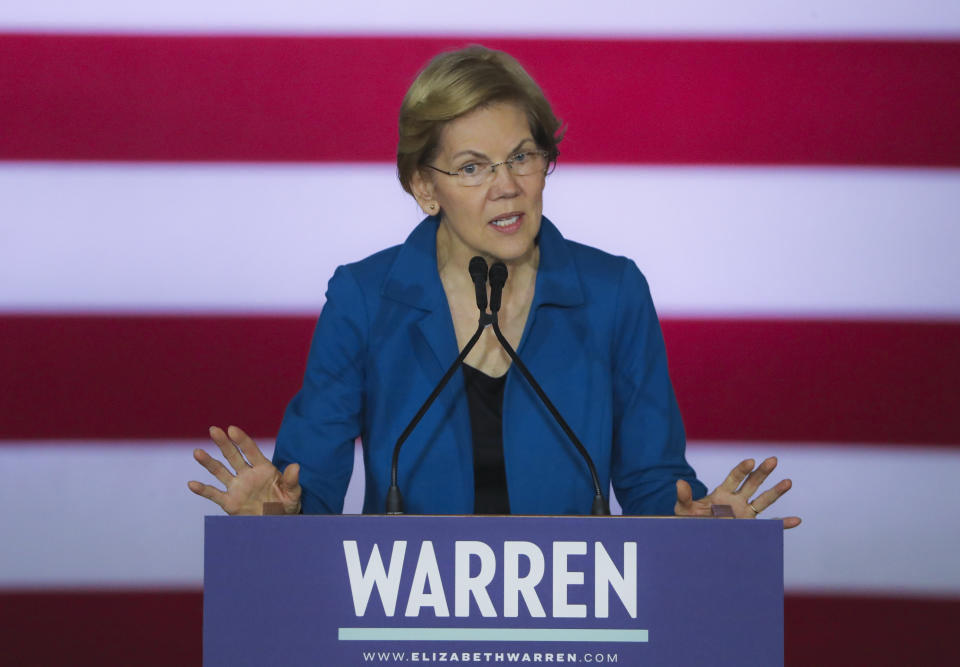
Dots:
(485, 400)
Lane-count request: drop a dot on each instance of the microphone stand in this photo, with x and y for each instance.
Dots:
(498, 278)
(478, 273)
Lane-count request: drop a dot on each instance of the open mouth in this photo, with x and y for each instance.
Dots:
(507, 223)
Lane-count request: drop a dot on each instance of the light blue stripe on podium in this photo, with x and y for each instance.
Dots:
(493, 634)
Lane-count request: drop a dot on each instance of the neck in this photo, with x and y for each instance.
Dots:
(453, 259)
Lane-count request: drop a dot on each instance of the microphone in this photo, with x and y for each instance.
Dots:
(478, 273)
(498, 278)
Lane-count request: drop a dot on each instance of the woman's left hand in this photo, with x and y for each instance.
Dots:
(736, 490)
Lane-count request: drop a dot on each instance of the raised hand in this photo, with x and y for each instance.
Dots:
(255, 479)
(736, 491)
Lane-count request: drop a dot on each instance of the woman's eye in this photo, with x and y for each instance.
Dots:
(520, 157)
(469, 169)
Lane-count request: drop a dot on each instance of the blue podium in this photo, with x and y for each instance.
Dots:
(388, 590)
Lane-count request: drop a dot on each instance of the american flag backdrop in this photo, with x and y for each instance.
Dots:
(179, 180)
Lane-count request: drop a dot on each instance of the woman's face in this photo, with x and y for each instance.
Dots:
(499, 219)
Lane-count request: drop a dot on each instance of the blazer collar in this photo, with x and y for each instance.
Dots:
(415, 281)
(558, 280)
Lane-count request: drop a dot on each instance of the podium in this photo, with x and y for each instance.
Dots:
(385, 590)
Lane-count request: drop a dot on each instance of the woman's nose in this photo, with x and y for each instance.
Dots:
(504, 181)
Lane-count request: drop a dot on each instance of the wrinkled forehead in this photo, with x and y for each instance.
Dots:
(492, 131)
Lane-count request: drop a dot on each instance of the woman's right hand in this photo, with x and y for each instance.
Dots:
(257, 480)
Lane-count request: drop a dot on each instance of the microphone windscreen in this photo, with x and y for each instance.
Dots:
(498, 278)
(478, 273)
(478, 269)
(498, 275)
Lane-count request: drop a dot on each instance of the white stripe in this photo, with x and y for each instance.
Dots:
(875, 519)
(120, 515)
(500, 17)
(723, 241)
(85, 514)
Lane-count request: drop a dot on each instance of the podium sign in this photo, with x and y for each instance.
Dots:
(385, 590)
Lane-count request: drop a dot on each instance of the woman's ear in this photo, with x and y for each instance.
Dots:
(423, 192)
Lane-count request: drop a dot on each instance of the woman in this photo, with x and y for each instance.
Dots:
(477, 140)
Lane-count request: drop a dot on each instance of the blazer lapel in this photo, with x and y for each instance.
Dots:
(413, 280)
(558, 281)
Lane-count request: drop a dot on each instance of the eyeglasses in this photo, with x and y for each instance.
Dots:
(523, 163)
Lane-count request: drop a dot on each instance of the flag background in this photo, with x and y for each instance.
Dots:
(177, 184)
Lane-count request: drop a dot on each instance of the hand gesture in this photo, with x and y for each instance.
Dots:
(742, 482)
(256, 480)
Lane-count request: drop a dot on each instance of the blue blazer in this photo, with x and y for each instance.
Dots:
(592, 339)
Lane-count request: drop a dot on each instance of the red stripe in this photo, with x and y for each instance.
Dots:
(827, 381)
(147, 377)
(875, 631)
(151, 628)
(69, 97)
(171, 377)
(144, 628)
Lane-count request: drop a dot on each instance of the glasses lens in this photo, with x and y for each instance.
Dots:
(524, 164)
(475, 174)
(521, 164)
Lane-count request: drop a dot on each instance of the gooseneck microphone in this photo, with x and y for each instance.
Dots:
(478, 273)
(498, 278)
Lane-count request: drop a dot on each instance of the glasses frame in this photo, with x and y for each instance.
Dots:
(491, 169)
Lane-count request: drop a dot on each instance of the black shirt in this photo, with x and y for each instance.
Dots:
(485, 400)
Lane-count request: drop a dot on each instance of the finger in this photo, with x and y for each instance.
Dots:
(686, 505)
(791, 522)
(213, 466)
(291, 476)
(290, 484)
(770, 496)
(741, 470)
(208, 492)
(228, 449)
(757, 477)
(684, 497)
(247, 446)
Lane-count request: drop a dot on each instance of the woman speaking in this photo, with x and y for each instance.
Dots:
(477, 140)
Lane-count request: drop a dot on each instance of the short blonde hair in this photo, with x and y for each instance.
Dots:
(457, 82)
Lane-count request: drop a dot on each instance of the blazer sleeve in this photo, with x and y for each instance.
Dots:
(648, 441)
(324, 419)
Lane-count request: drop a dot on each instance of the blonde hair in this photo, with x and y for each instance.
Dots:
(457, 82)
